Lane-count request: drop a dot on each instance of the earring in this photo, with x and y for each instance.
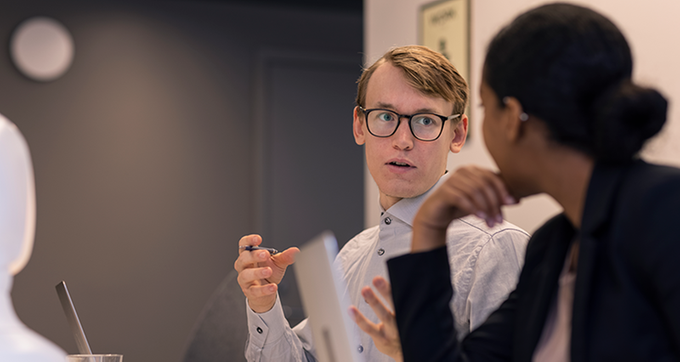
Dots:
(523, 116)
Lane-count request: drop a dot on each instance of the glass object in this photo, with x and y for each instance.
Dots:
(94, 358)
(424, 126)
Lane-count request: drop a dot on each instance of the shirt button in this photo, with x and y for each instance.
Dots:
(259, 330)
(381, 251)
(360, 348)
(388, 220)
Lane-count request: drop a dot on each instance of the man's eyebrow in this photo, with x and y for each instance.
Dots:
(385, 105)
(392, 107)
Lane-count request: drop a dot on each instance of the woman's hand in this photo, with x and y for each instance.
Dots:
(469, 190)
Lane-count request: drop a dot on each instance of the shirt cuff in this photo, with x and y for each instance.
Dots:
(268, 326)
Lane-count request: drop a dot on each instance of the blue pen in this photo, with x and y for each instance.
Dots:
(271, 251)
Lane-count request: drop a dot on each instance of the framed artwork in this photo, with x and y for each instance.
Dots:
(444, 26)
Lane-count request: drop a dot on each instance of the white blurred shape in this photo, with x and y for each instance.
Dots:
(42, 48)
(18, 343)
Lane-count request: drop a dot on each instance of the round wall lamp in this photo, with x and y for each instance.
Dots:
(42, 48)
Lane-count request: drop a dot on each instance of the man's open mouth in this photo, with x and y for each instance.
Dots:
(399, 164)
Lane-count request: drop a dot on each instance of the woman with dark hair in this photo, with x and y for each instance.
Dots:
(601, 281)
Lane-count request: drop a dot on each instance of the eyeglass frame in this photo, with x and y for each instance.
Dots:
(410, 126)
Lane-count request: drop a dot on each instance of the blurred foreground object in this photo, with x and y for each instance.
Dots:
(18, 343)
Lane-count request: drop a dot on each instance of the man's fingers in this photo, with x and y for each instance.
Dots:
(253, 283)
(384, 314)
(250, 259)
(384, 335)
(259, 271)
(286, 257)
(384, 288)
(366, 325)
(246, 260)
(252, 239)
(251, 276)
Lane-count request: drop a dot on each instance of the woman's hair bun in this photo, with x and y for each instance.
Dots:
(625, 117)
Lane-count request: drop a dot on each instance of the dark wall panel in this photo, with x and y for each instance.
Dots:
(143, 157)
(310, 164)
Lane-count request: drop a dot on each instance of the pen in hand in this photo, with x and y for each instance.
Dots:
(271, 251)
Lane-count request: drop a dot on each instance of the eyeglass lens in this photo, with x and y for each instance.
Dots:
(383, 123)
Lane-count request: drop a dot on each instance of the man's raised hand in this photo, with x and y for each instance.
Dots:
(259, 273)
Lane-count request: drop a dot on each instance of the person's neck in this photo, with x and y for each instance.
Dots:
(566, 178)
(388, 201)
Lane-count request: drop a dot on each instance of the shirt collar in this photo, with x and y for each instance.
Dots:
(406, 209)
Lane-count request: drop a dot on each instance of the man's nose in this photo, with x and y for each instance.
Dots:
(403, 138)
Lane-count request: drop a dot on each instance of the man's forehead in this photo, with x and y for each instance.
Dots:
(389, 88)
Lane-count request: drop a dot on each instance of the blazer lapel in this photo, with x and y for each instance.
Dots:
(600, 200)
(555, 236)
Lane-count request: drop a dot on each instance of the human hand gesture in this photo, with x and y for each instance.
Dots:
(259, 273)
(384, 334)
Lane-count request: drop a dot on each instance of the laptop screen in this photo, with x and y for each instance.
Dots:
(322, 291)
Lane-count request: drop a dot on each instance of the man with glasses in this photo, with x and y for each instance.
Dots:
(409, 115)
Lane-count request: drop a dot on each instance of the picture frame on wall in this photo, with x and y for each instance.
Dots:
(444, 26)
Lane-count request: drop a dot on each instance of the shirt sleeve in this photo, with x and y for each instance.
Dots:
(271, 338)
(495, 274)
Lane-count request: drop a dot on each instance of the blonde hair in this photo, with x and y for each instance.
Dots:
(426, 70)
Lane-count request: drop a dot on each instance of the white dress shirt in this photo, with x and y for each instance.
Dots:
(485, 265)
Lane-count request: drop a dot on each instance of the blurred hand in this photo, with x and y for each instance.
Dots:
(469, 190)
(384, 334)
(259, 273)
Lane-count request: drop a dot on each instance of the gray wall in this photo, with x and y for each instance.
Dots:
(151, 154)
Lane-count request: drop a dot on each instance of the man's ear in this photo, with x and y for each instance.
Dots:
(460, 134)
(512, 122)
(358, 127)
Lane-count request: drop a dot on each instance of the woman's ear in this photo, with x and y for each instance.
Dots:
(460, 134)
(358, 127)
(514, 118)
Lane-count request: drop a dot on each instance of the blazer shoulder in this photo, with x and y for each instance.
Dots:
(651, 188)
(556, 232)
(647, 176)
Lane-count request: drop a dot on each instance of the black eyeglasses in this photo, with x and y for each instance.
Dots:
(424, 126)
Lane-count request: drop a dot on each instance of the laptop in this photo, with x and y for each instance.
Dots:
(322, 291)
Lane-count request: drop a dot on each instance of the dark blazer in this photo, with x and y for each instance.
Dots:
(627, 292)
